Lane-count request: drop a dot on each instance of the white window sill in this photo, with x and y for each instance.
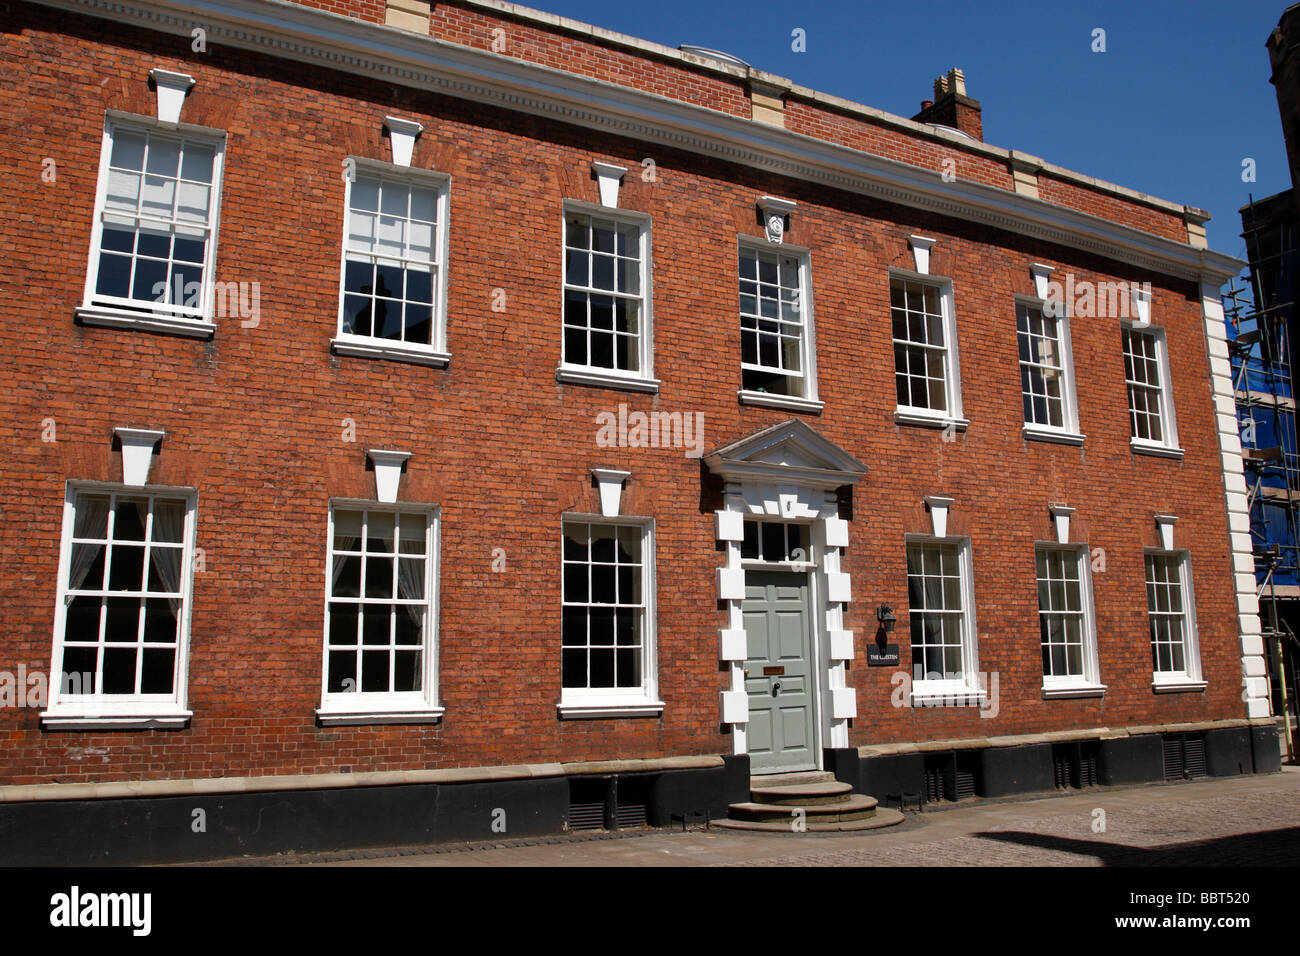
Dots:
(1156, 451)
(910, 416)
(792, 402)
(588, 376)
(1178, 685)
(946, 694)
(1068, 691)
(109, 317)
(69, 717)
(396, 351)
(598, 707)
(1060, 436)
(359, 716)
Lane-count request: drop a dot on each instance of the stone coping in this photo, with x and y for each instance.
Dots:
(25, 793)
(751, 74)
(1055, 737)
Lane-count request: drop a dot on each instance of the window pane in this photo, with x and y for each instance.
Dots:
(119, 670)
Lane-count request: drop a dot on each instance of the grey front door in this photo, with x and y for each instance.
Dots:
(778, 672)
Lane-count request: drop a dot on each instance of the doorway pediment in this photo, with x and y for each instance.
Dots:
(789, 452)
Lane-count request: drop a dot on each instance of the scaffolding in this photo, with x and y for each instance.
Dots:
(1259, 314)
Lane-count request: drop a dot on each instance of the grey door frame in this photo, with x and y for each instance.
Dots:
(810, 572)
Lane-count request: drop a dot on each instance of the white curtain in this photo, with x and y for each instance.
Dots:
(410, 586)
(91, 521)
(342, 542)
(168, 525)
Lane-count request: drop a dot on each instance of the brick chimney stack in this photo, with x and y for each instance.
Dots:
(952, 107)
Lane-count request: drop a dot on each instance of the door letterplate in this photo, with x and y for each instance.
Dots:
(773, 671)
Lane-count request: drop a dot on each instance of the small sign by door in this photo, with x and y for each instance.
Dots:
(882, 655)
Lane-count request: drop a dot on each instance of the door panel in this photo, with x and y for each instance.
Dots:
(779, 677)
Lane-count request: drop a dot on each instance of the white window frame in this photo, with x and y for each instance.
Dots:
(387, 707)
(121, 711)
(1168, 447)
(568, 372)
(150, 315)
(967, 690)
(1089, 683)
(807, 401)
(643, 701)
(436, 353)
(951, 416)
(1068, 432)
(1190, 678)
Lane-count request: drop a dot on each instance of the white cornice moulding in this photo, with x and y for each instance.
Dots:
(774, 212)
(608, 179)
(388, 473)
(1042, 275)
(939, 506)
(327, 40)
(921, 252)
(1165, 523)
(171, 88)
(610, 481)
(1061, 518)
(137, 454)
(402, 134)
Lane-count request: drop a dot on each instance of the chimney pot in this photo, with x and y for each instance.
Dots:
(926, 104)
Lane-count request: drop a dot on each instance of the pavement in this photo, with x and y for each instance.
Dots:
(1237, 821)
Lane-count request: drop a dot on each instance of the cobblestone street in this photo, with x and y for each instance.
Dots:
(1223, 822)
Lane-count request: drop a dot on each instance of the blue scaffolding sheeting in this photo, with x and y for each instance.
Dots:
(1257, 310)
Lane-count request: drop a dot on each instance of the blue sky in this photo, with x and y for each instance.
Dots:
(1180, 97)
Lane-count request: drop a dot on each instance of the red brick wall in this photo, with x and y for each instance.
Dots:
(254, 422)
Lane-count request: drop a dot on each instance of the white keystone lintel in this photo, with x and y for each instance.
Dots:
(610, 482)
(1061, 518)
(1141, 307)
(774, 212)
(1165, 524)
(608, 178)
(1042, 275)
(921, 252)
(388, 472)
(939, 506)
(171, 88)
(137, 454)
(402, 134)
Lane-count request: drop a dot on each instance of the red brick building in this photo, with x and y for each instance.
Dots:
(444, 413)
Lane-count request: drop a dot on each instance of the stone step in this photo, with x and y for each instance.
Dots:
(809, 794)
(853, 807)
(882, 817)
(765, 780)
